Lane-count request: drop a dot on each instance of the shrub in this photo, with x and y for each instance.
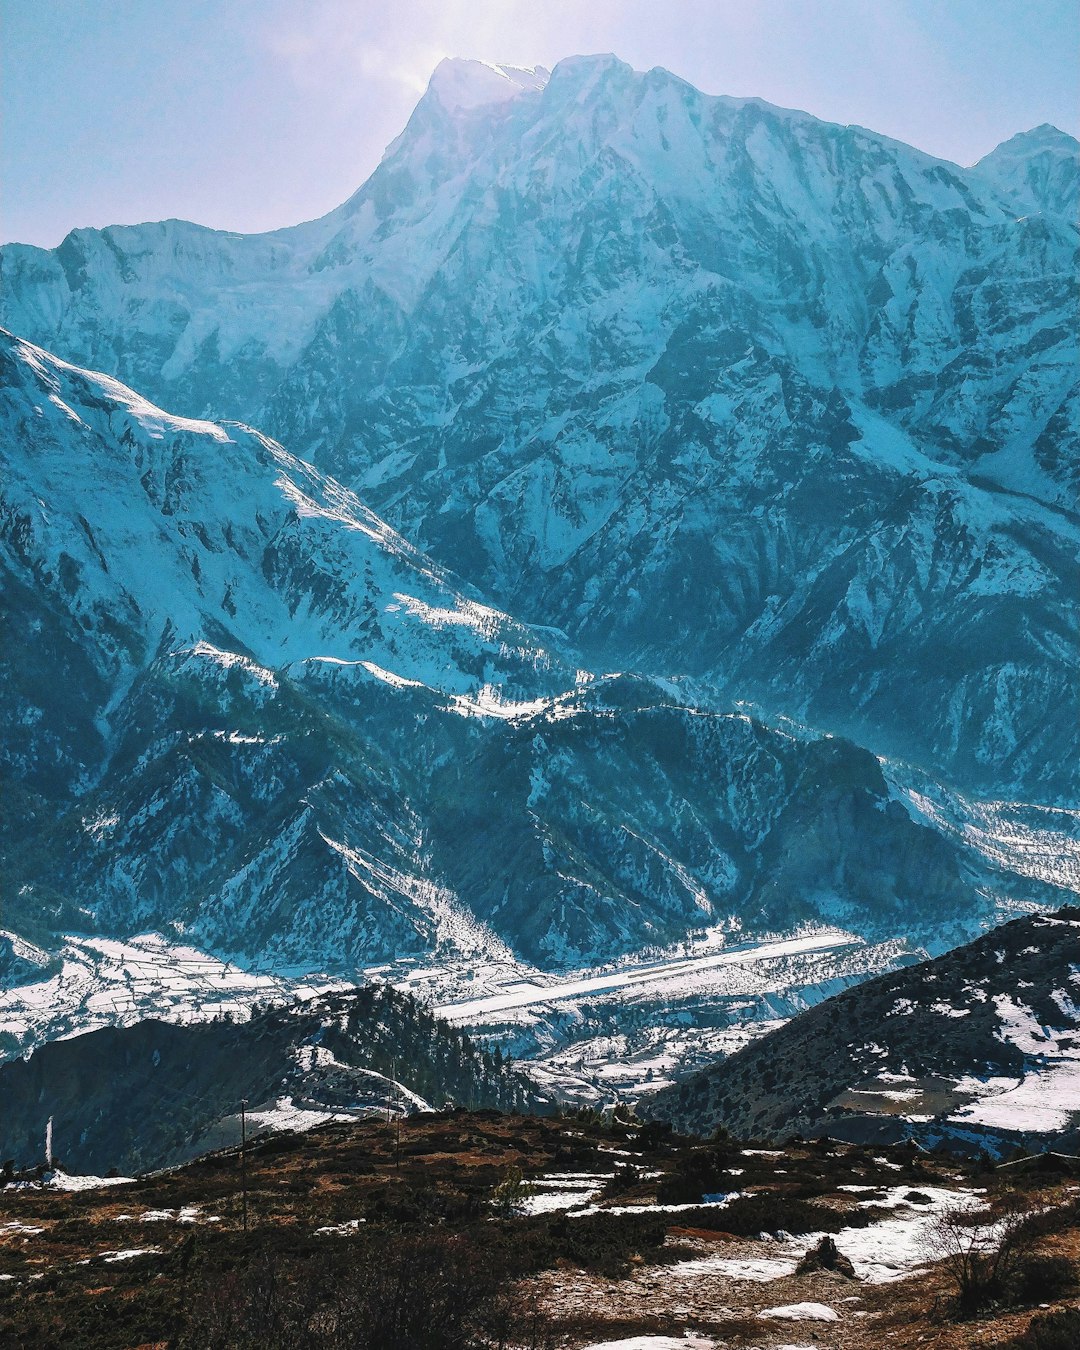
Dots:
(653, 1135)
(510, 1195)
(601, 1242)
(425, 1205)
(625, 1178)
(434, 1292)
(769, 1212)
(980, 1255)
(702, 1171)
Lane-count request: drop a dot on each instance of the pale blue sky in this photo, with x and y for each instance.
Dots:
(250, 114)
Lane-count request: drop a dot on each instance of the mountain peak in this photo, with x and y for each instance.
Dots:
(580, 73)
(458, 83)
(1038, 140)
(1037, 169)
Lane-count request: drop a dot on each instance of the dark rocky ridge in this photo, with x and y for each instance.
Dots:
(154, 1094)
(923, 1028)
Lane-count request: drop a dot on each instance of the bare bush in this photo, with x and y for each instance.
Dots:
(979, 1253)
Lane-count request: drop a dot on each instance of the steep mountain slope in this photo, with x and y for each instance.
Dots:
(155, 1094)
(714, 387)
(980, 1045)
(238, 707)
(151, 561)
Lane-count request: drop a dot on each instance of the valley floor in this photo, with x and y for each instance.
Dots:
(587, 1036)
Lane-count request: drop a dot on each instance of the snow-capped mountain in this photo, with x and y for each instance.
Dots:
(238, 706)
(980, 1048)
(158, 574)
(714, 387)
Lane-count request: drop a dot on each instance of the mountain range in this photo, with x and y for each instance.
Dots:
(716, 388)
(252, 712)
(724, 463)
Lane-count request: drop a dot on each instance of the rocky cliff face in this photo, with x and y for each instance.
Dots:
(714, 387)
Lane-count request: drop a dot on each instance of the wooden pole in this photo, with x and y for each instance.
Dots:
(397, 1121)
(243, 1159)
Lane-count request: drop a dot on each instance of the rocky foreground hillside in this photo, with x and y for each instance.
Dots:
(474, 1231)
(979, 1048)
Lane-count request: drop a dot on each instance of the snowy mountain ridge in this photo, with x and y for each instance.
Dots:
(1037, 168)
(190, 487)
(711, 386)
(461, 84)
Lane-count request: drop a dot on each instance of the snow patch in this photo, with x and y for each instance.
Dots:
(803, 1312)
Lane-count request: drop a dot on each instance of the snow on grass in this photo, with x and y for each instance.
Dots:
(649, 1208)
(563, 1190)
(63, 1181)
(888, 1250)
(341, 1229)
(1045, 1101)
(286, 1115)
(896, 1247)
(187, 1214)
(757, 1269)
(1047, 1098)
